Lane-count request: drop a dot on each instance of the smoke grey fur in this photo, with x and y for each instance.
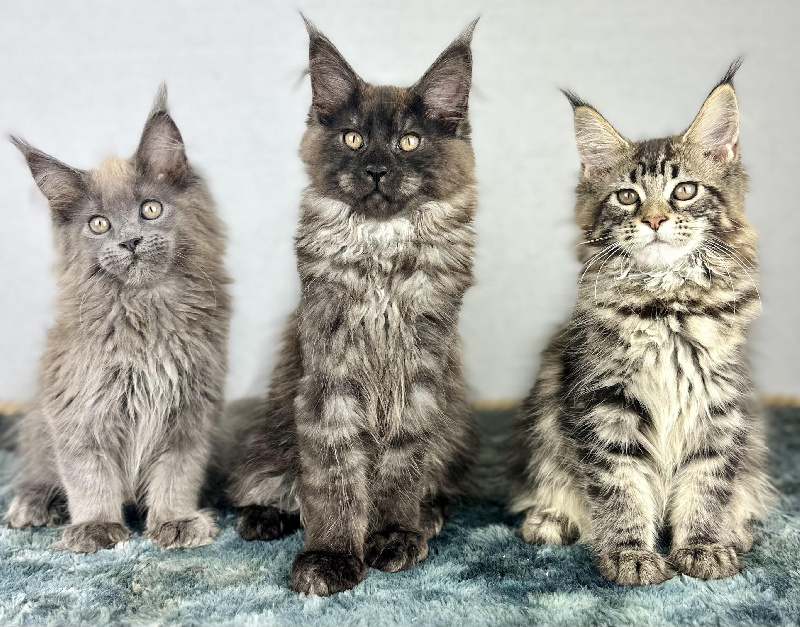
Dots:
(366, 430)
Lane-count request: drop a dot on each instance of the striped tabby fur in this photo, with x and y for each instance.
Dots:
(643, 417)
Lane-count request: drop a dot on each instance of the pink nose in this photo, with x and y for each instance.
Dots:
(655, 221)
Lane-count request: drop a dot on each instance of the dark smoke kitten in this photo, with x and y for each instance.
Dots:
(366, 429)
(131, 382)
(643, 416)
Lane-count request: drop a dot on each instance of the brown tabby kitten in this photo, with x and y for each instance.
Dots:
(643, 416)
(366, 429)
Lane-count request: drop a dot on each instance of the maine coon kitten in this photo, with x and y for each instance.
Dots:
(366, 429)
(131, 382)
(643, 415)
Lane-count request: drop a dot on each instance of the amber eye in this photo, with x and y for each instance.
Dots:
(353, 140)
(685, 191)
(99, 224)
(409, 142)
(627, 196)
(151, 209)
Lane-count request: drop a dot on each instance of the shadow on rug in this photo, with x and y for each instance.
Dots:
(478, 573)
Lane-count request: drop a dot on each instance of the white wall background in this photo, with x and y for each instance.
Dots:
(77, 79)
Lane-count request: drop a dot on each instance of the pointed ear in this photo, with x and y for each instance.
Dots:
(444, 88)
(61, 184)
(161, 153)
(333, 81)
(716, 127)
(599, 145)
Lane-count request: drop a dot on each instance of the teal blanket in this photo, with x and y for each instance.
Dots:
(479, 572)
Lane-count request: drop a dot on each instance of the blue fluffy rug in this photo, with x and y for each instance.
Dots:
(478, 573)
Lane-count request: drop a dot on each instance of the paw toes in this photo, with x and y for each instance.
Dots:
(89, 537)
(198, 530)
(266, 523)
(706, 561)
(323, 573)
(633, 567)
(395, 550)
(547, 529)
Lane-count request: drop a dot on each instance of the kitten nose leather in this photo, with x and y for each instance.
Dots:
(377, 171)
(655, 221)
(131, 244)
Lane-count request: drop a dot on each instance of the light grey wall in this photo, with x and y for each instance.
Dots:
(77, 81)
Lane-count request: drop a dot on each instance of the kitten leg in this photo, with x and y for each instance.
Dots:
(262, 452)
(39, 499)
(703, 534)
(623, 508)
(95, 496)
(332, 488)
(173, 493)
(402, 477)
(400, 541)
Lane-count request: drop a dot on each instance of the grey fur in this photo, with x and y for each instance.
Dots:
(131, 382)
(366, 429)
(643, 416)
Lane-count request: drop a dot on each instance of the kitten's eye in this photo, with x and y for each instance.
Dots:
(409, 142)
(151, 209)
(99, 224)
(627, 196)
(353, 140)
(685, 191)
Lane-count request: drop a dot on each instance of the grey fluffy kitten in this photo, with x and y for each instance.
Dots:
(131, 382)
(643, 416)
(366, 429)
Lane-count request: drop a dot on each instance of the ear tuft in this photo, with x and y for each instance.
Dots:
(599, 145)
(333, 81)
(160, 101)
(716, 128)
(161, 153)
(61, 184)
(574, 100)
(732, 69)
(445, 87)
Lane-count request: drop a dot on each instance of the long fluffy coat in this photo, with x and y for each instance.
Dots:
(132, 378)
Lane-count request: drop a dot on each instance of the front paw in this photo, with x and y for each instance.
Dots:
(266, 523)
(633, 568)
(323, 573)
(34, 510)
(544, 528)
(393, 549)
(706, 561)
(88, 537)
(197, 530)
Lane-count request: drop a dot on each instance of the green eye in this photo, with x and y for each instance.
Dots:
(99, 224)
(685, 191)
(627, 196)
(151, 209)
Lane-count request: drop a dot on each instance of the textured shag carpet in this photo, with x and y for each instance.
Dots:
(479, 572)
